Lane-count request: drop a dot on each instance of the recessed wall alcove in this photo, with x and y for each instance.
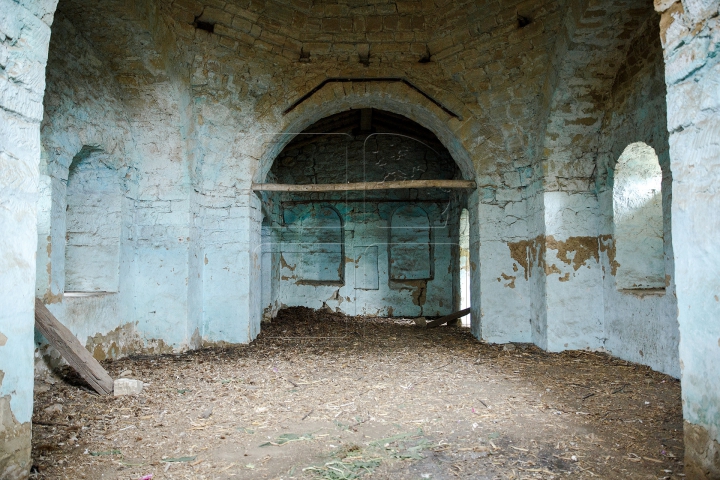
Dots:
(390, 252)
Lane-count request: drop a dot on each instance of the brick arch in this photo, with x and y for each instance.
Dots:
(336, 98)
(588, 55)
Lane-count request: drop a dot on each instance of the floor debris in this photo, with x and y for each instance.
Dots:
(127, 386)
(367, 398)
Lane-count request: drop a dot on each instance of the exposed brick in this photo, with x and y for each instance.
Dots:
(359, 24)
(241, 24)
(529, 97)
(405, 37)
(405, 23)
(215, 15)
(418, 22)
(440, 44)
(408, 6)
(192, 6)
(386, 9)
(336, 10)
(373, 23)
(390, 23)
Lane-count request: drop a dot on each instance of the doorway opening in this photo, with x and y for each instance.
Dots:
(464, 257)
(363, 218)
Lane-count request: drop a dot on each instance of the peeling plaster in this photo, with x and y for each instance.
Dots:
(607, 246)
(115, 344)
(15, 440)
(528, 254)
(187, 171)
(575, 251)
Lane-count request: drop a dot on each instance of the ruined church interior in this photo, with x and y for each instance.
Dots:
(343, 239)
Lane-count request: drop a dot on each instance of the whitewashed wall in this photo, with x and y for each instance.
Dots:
(690, 32)
(24, 39)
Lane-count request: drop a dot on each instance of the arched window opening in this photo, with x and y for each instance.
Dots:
(93, 223)
(638, 219)
(465, 264)
(268, 274)
(410, 244)
(313, 247)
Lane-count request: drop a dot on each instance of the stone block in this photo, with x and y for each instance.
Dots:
(662, 5)
(215, 15)
(127, 386)
(688, 60)
(699, 10)
(242, 24)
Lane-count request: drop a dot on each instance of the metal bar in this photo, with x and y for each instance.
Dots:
(377, 79)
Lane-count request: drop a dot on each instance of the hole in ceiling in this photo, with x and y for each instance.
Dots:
(427, 58)
(207, 26)
(523, 21)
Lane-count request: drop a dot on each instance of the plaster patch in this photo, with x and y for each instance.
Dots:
(196, 339)
(581, 249)
(702, 453)
(528, 253)
(117, 343)
(50, 298)
(511, 284)
(606, 243)
(3, 339)
(15, 440)
(418, 288)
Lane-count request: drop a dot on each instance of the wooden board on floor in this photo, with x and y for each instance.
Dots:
(72, 350)
(448, 318)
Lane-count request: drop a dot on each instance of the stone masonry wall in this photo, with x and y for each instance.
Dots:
(88, 209)
(465, 72)
(122, 135)
(364, 245)
(640, 326)
(189, 101)
(196, 225)
(585, 69)
(24, 39)
(690, 34)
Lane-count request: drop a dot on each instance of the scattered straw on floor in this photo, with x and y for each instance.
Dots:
(323, 396)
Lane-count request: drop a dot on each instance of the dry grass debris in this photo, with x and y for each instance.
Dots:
(324, 396)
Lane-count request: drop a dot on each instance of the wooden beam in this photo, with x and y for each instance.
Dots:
(448, 318)
(363, 186)
(72, 350)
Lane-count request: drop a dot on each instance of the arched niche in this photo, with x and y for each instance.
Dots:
(410, 247)
(93, 222)
(638, 219)
(312, 245)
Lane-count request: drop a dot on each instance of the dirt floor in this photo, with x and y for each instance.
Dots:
(323, 396)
